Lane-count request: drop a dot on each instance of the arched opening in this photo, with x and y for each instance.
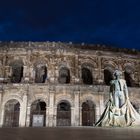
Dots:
(63, 114)
(64, 76)
(11, 114)
(88, 113)
(87, 76)
(17, 71)
(38, 114)
(108, 76)
(40, 74)
(128, 79)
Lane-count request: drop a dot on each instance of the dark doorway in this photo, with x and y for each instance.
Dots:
(38, 108)
(17, 73)
(40, 74)
(87, 76)
(88, 114)
(128, 79)
(64, 76)
(11, 115)
(108, 76)
(63, 114)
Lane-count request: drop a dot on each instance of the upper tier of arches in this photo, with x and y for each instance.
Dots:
(87, 73)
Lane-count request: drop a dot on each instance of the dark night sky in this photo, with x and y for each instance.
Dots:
(110, 22)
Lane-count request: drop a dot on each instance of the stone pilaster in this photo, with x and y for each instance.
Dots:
(2, 116)
(55, 116)
(51, 109)
(47, 116)
(32, 74)
(100, 79)
(77, 72)
(1, 107)
(56, 75)
(72, 116)
(23, 111)
(139, 74)
(76, 108)
(28, 116)
(80, 113)
(25, 74)
(0, 97)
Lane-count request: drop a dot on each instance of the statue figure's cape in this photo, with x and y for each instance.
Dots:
(124, 116)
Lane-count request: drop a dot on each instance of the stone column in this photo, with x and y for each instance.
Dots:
(47, 116)
(72, 116)
(1, 115)
(32, 74)
(56, 75)
(28, 68)
(28, 116)
(72, 79)
(23, 112)
(80, 112)
(76, 108)
(51, 109)
(55, 116)
(26, 74)
(139, 74)
(0, 99)
(100, 72)
(77, 68)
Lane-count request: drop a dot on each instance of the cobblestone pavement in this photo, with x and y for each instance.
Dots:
(70, 133)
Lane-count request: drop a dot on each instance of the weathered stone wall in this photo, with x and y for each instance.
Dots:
(55, 56)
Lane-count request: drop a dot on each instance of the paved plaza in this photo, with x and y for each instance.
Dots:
(70, 133)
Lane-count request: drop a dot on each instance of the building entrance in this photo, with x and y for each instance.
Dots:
(63, 114)
(38, 114)
(11, 114)
(88, 114)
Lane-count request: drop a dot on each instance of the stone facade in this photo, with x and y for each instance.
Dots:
(67, 84)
